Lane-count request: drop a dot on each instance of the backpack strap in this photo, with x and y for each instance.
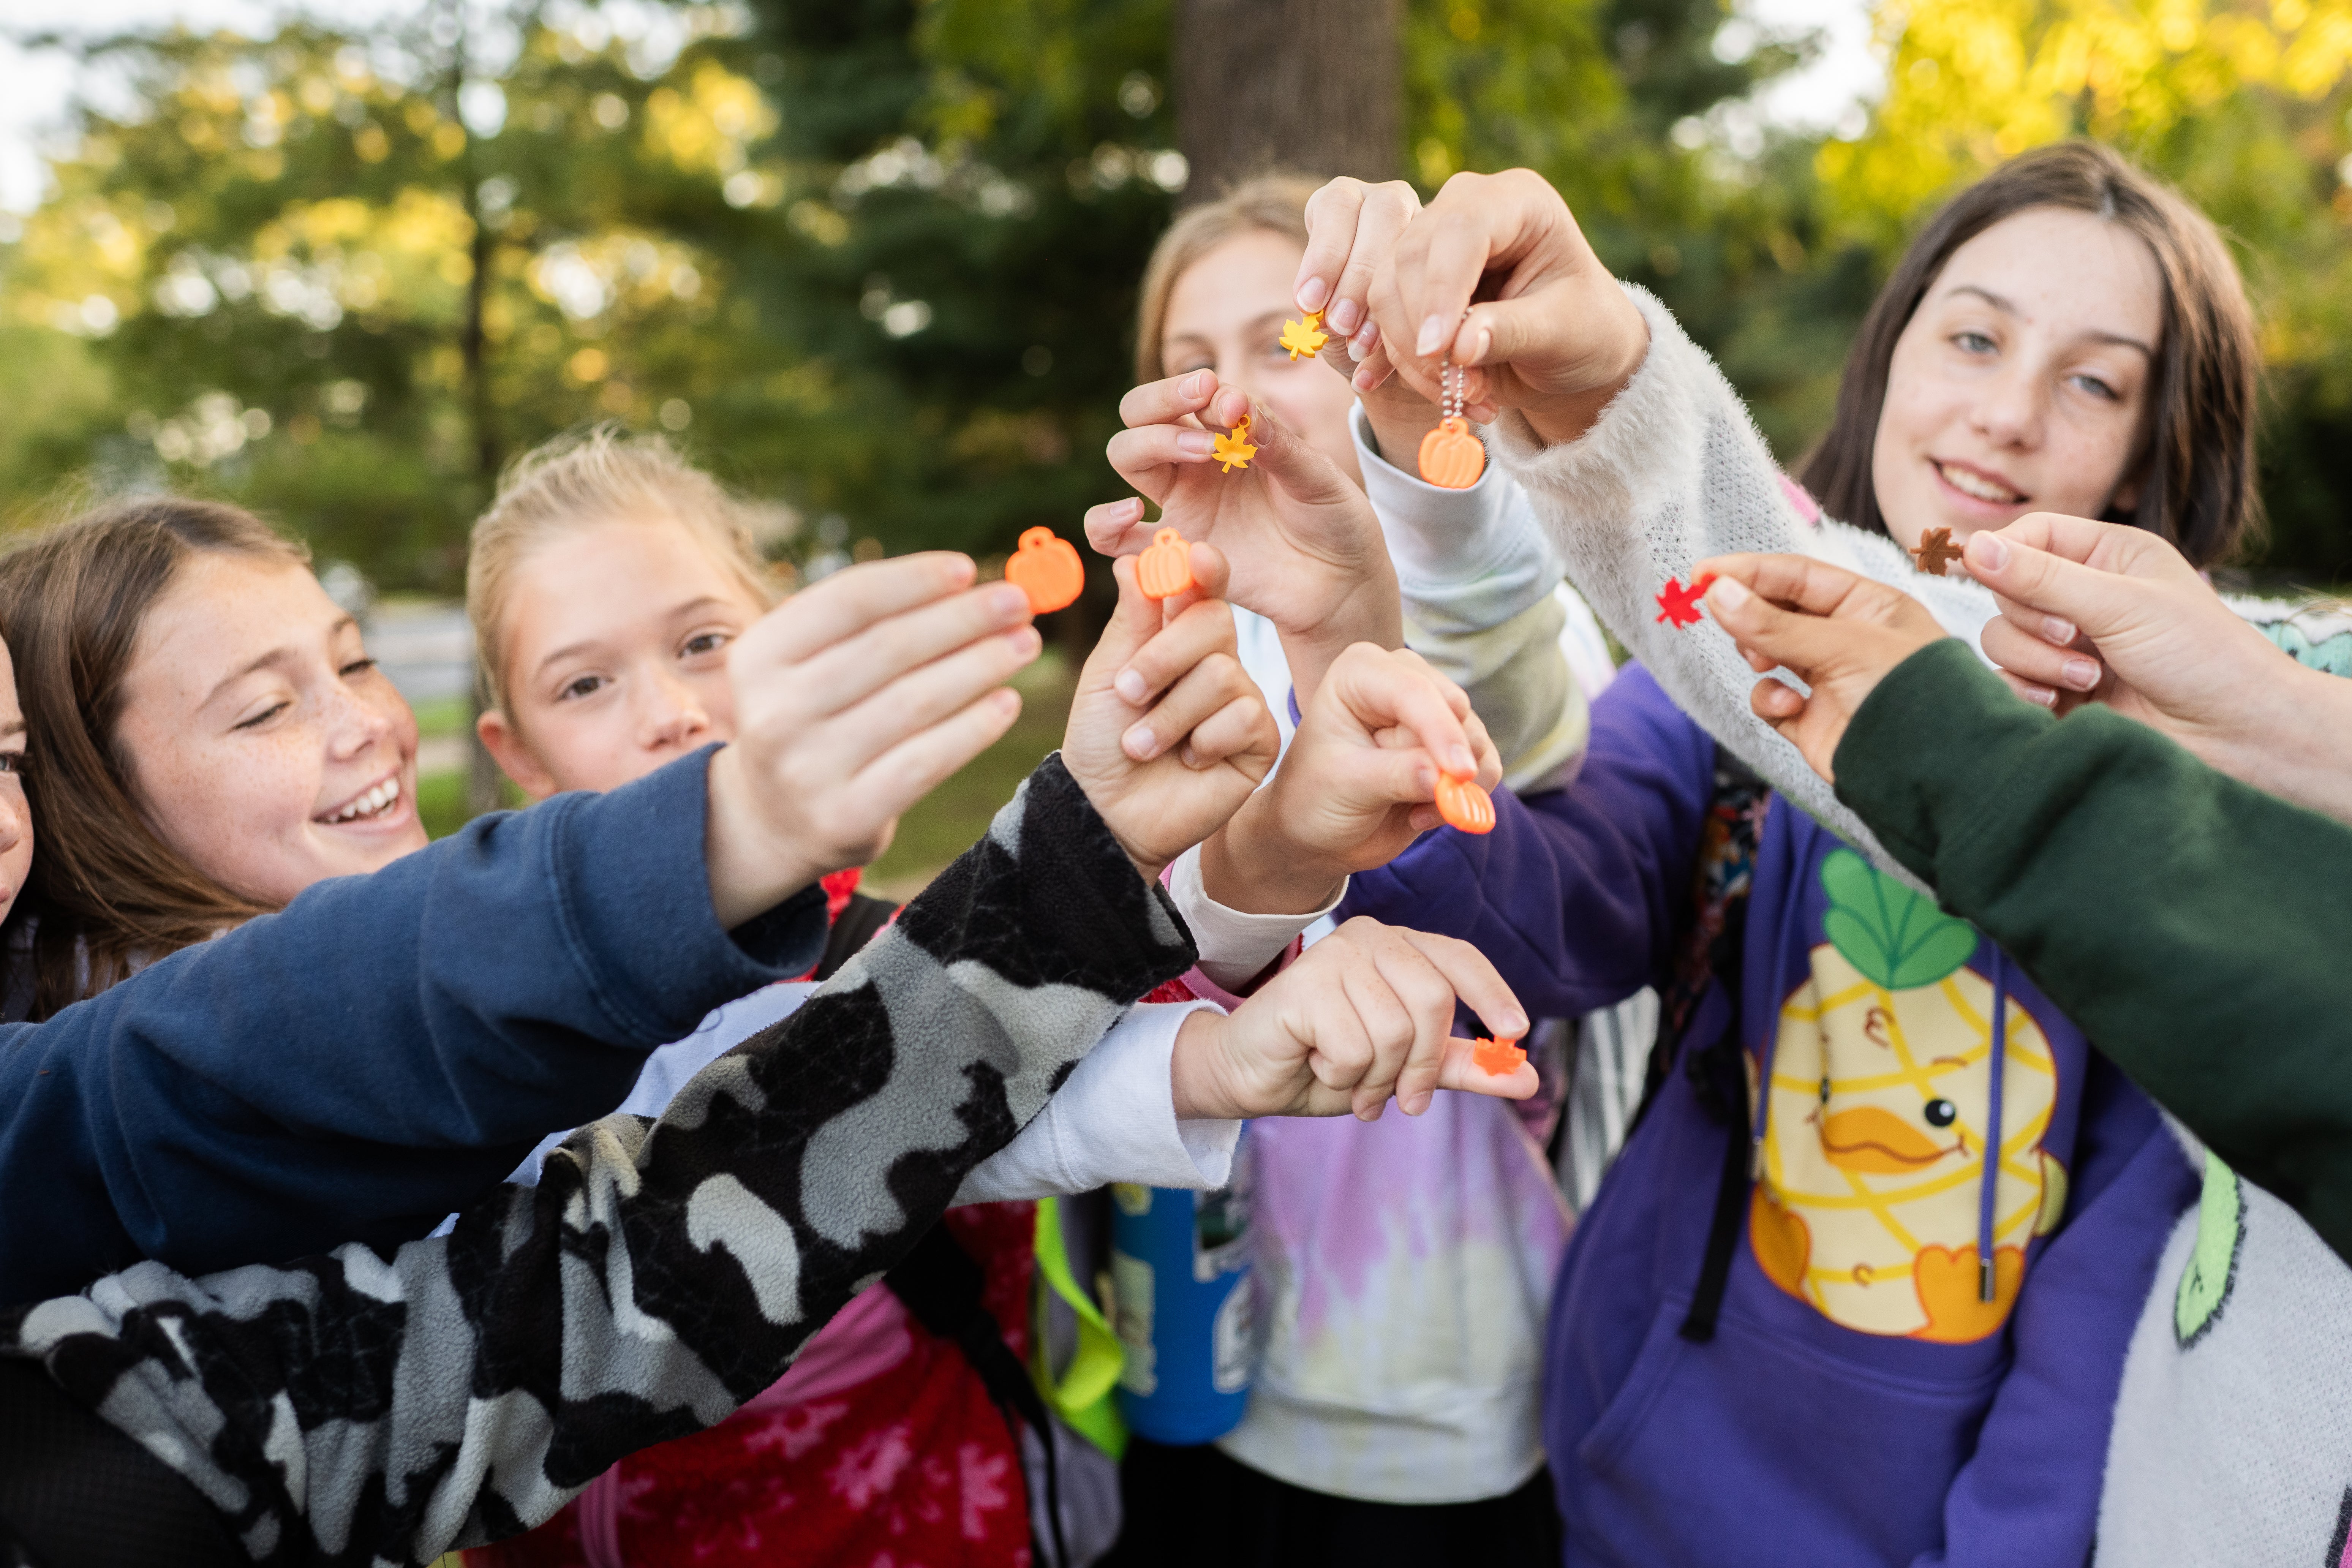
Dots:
(76, 1493)
(941, 1286)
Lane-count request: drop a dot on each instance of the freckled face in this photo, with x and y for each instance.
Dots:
(16, 819)
(615, 656)
(1225, 313)
(2021, 383)
(264, 743)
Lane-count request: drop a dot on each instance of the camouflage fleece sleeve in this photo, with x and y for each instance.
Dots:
(347, 1409)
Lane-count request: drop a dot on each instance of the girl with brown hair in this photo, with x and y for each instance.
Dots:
(197, 768)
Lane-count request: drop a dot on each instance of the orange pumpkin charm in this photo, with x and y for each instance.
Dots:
(1165, 567)
(1451, 456)
(1500, 1057)
(1464, 805)
(1046, 569)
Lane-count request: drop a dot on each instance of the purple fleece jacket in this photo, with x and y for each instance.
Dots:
(1860, 1401)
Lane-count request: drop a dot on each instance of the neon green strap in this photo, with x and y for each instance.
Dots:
(1082, 1395)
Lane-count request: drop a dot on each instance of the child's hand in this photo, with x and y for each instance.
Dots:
(1841, 634)
(1366, 1013)
(1551, 334)
(1357, 786)
(1304, 548)
(853, 699)
(1351, 227)
(1167, 733)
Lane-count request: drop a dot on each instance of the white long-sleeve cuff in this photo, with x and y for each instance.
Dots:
(1234, 946)
(1113, 1120)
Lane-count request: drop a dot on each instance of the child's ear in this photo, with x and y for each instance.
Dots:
(515, 759)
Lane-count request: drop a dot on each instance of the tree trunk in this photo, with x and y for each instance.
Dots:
(1315, 86)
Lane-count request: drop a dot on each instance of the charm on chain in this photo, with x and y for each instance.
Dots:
(1452, 455)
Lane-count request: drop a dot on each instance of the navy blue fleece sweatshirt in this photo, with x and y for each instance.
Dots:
(358, 1065)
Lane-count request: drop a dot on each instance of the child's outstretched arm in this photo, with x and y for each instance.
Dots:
(1637, 465)
(1306, 550)
(357, 1066)
(662, 1272)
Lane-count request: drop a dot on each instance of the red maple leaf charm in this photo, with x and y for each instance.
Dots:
(1678, 605)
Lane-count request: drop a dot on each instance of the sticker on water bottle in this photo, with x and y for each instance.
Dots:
(1131, 1314)
(1232, 1353)
(1220, 1233)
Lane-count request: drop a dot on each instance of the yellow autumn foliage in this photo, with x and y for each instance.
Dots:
(1972, 82)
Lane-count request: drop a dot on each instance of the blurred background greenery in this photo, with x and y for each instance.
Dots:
(875, 259)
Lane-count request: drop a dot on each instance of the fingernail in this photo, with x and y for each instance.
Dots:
(1129, 685)
(1344, 316)
(2079, 673)
(1364, 342)
(1200, 443)
(1312, 295)
(1432, 336)
(1729, 592)
(1485, 342)
(1987, 550)
(2058, 629)
(1460, 760)
(2045, 697)
(1363, 380)
(1138, 742)
(1514, 1025)
(1193, 386)
(1006, 601)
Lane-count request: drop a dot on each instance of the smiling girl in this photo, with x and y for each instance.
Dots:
(197, 769)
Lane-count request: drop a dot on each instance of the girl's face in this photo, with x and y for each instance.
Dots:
(615, 656)
(2021, 383)
(263, 743)
(1224, 314)
(16, 819)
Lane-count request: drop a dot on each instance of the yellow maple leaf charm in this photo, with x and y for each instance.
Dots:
(1235, 451)
(1304, 337)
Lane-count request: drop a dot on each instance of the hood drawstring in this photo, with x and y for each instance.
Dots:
(1988, 1186)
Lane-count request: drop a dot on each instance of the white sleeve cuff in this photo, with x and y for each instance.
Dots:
(1113, 1119)
(1476, 556)
(1234, 946)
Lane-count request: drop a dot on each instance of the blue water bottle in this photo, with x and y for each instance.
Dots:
(1181, 1294)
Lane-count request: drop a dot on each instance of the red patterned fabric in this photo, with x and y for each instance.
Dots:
(910, 1467)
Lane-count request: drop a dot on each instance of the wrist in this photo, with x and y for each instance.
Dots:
(750, 870)
(1194, 1085)
(1248, 867)
(2294, 740)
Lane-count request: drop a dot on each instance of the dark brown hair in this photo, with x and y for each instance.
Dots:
(2196, 465)
(106, 891)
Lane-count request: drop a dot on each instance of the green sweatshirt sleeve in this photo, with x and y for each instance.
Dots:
(2198, 931)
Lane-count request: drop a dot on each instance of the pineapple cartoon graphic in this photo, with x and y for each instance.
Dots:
(1876, 1142)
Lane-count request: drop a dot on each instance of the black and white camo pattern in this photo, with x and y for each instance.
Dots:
(351, 1410)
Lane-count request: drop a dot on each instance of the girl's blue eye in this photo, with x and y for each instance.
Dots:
(12, 762)
(1973, 343)
(2097, 389)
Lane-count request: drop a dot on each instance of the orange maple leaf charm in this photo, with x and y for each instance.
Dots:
(1496, 1057)
(1235, 451)
(1679, 605)
(1305, 337)
(1936, 553)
